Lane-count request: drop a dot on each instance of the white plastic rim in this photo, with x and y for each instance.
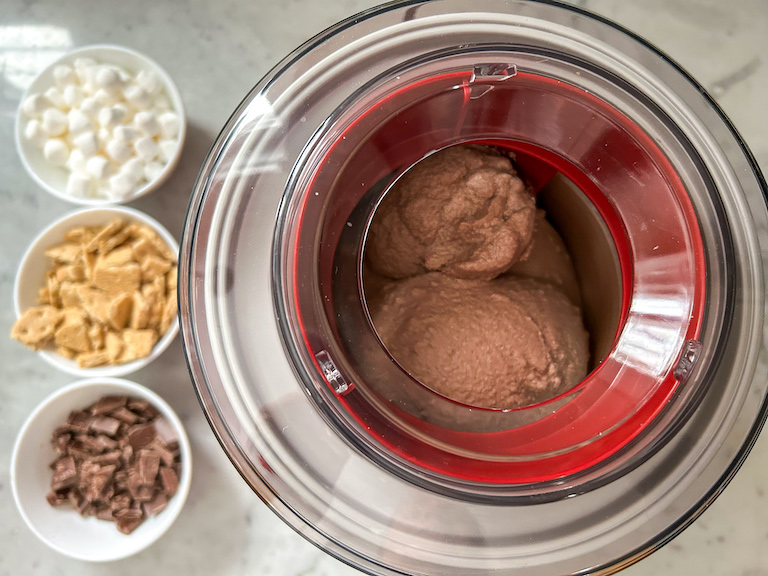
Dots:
(30, 277)
(62, 528)
(53, 179)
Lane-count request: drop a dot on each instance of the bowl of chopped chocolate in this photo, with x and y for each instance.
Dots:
(95, 292)
(101, 469)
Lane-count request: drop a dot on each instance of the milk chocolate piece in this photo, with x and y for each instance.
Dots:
(105, 425)
(64, 474)
(149, 464)
(156, 505)
(108, 404)
(169, 481)
(165, 431)
(141, 436)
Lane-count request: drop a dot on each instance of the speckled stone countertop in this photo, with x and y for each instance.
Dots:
(216, 51)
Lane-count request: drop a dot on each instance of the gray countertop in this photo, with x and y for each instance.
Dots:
(216, 51)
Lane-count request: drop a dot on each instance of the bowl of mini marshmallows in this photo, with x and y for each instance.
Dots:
(101, 125)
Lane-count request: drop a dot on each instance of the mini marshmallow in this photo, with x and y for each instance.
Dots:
(56, 151)
(54, 122)
(126, 134)
(73, 95)
(169, 125)
(34, 132)
(118, 151)
(112, 116)
(98, 167)
(146, 148)
(78, 122)
(86, 143)
(120, 186)
(147, 123)
(104, 135)
(55, 97)
(162, 104)
(134, 169)
(108, 79)
(83, 62)
(35, 105)
(90, 76)
(76, 162)
(153, 170)
(64, 75)
(137, 97)
(124, 76)
(90, 107)
(79, 186)
(167, 149)
(149, 81)
(104, 98)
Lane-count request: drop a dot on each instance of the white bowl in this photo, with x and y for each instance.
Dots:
(54, 179)
(62, 528)
(34, 264)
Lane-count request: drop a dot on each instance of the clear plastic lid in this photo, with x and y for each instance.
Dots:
(662, 208)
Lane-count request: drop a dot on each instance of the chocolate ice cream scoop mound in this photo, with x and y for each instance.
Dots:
(507, 343)
(462, 211)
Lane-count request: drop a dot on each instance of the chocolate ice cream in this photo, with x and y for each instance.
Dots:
(462, 211)
(506, 343)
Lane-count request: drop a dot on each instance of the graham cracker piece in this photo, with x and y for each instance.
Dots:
(53, 289)
(142, 249)
(117, 279)
(81, 234)
(140, 312)
(157, 242)
(66, 353)
(120, 311)
(95, 302)
(138, 343)
(169, 313)
(96, 336)
(92, 359)
(65, 253)
(117, 257)
(113, 242)
(73, 337)
(36, 326)
(68, 294)
(113, 344)
(89, 263)
(43, 296)
(154, 266)
(72, 272)
(171, 281)
(105, 234)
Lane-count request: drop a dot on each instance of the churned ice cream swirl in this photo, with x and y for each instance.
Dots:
(462, 211)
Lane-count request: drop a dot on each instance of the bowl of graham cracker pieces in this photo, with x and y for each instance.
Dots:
(95, 293)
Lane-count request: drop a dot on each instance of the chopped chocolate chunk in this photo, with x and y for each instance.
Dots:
(107, 404)
(118, 460)
(143, 409)
(78, 421)
(125, 415)
(111, 458)
(144, 494)
(105, 442)
(105, 425)
(165, 431)
(149, 464)
(156, 505)
(64, 474)
(166, 456)
(169, 480)
(121, 502)
(56, 498)
(141, 436)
